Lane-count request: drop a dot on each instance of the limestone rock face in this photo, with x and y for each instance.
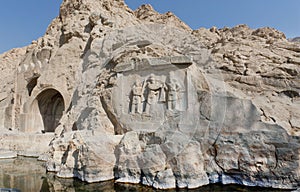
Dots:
(146, 13)
(139, 97)
(295, 39)
(263, 65)
(8, 64)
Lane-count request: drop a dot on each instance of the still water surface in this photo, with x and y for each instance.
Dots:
(28, 175)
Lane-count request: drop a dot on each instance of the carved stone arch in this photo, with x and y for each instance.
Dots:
(46, 110)
(32, 84)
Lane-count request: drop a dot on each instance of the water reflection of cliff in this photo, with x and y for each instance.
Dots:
(25, 174)
(29, 175)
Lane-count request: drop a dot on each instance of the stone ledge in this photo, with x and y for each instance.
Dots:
(7, 154)
(147, 63)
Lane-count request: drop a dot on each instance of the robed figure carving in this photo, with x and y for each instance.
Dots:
(173, 90)
(154, 88)
(137, 98)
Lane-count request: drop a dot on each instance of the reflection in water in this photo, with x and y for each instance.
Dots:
(21, 173)
(29, 175)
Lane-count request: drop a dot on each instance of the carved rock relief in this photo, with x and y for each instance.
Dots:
(148, 98)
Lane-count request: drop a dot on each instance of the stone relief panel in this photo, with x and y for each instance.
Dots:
(147, 98)
(147, 95)
(156, 92)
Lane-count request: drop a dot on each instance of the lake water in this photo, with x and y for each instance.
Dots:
(29, 175)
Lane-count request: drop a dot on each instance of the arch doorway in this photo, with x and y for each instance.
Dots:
(50, 104)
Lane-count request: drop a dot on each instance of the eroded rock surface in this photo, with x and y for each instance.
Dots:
(139, 97)
(263, 65)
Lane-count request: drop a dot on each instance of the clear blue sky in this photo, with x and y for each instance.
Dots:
(22, 21)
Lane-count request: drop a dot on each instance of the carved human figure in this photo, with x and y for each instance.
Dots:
(154, 87)
(173, 89)
(137, 94)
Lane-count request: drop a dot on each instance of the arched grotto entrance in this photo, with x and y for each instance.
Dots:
(50, 107)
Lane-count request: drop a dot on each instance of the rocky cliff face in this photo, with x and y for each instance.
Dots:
(139, 97)
(295, 39)
(263, 65)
